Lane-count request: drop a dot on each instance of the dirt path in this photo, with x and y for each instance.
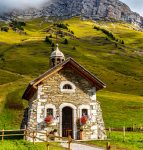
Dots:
(77, 146)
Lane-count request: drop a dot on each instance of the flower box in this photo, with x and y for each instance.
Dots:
(83, 120)
(49, 120)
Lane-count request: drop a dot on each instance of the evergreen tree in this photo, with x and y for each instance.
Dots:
(65, 41)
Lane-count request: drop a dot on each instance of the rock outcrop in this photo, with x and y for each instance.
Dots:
(93, 9)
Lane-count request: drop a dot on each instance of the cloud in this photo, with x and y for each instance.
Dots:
(8, 5)
(135, 5)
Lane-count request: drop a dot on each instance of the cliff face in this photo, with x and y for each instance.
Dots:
(93, 9)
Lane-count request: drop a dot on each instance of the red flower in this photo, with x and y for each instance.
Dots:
(83, 120)
(49, 119)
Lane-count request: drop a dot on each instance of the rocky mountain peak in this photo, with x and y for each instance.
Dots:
(93, 9)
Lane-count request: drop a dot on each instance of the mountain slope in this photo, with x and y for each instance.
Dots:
(116, 61)
(93, 9)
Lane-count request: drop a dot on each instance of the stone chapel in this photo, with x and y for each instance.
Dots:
(63, 99)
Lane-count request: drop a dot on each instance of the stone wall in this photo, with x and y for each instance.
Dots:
(49, 95)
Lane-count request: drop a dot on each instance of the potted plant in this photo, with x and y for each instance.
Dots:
(49, 119)
(55, 132)
(81, 133)
(83, 120)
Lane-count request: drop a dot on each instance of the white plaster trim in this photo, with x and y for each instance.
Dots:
(92, 93)
(52, 107)
(39, 92)
(44, 108)
(67, 90)
(74, 118)
(93, 106)
(83, 107)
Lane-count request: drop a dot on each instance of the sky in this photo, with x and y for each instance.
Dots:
(10, 4)
(135, 5)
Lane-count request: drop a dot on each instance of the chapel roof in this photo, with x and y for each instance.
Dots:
(70, 62)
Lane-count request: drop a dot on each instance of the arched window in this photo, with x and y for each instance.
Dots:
(58, 60)
(53, 61)
(67, 86)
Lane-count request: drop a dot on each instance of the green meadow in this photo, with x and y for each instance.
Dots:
(24, 145)
(132, 141)
(25, 55)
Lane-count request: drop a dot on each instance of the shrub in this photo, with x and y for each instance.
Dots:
(5, 29)
(14, 24)
(116, 45)
(21, 28)
(65, 41)
(108, 33)
(97, 28)
(50, 36)
(72, 32)
(53, 45)
(107, 38)
(61, 25)
(47, 40)
(122, 42)
(74, 48)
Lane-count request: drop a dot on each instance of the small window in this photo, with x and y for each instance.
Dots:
(67, 86)
(84, 112)
(49, 112)
(58, 60)
(53, 61)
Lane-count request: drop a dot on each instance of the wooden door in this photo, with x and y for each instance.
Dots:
(67, 122)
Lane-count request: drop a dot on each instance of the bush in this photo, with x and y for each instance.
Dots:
(13, 101)
(116, 45)
(74, 48)
(108, 33)
(47, 40)
(107, 38)
(72, 32)
(53, 45)
(61, 25)
(122, 42)
(50, 36)
(97, 28)
(5, 29)
(17, 25)
(65, 41)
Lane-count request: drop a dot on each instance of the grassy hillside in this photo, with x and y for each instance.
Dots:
(133, 141)
(25, 55)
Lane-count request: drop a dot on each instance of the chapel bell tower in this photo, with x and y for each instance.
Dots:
(56, 57)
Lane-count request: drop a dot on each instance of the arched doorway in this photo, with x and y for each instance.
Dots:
(67, 121)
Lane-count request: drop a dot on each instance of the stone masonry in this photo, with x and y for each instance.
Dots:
(49, 93)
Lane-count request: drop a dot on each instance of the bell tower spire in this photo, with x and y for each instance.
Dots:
(56, 57)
